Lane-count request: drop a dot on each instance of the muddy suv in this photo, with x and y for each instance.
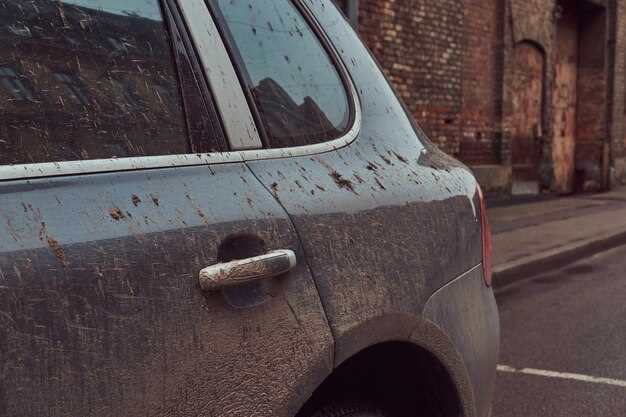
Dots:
(220, 208)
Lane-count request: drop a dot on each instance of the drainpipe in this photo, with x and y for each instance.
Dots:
(353, 13)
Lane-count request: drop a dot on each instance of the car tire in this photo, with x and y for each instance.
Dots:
(350, 410)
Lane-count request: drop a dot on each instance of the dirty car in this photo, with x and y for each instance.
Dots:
(221, 208)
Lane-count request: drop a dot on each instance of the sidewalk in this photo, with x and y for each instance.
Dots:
(532, 237)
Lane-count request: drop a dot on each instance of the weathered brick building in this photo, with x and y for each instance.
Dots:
(529, 93)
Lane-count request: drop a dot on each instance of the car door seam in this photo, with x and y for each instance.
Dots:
(306, 261)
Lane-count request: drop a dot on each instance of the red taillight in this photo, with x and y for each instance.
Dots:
(486, 236)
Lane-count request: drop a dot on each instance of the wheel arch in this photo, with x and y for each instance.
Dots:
(408, 361)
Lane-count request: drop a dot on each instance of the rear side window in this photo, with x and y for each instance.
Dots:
(87, 79)
(299, 94)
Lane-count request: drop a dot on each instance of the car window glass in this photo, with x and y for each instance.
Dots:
(297, 90)
(87, 79)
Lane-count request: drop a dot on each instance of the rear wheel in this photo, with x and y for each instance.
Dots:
(350, 410)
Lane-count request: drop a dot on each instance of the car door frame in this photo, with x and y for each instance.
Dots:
(80, 168)
(210, 47)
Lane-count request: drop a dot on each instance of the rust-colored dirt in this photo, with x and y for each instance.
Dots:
(57, 250)
(342, 182)
(116, 214)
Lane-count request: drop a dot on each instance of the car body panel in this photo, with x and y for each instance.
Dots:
(385, 221)
(101, 313)
(466, 311)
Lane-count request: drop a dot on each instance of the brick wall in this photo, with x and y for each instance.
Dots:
(441, 57)
(482, 82)
(591, 123)
(452, 63)
(617, 88)
(591, 114)
(419, 45)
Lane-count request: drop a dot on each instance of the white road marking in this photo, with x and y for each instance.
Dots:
(562, 375)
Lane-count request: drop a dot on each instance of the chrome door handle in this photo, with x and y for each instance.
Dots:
(243, 271)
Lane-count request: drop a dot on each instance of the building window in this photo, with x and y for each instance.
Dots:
(11, 81)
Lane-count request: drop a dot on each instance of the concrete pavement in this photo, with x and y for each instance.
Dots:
(562, 341)
(530, 238)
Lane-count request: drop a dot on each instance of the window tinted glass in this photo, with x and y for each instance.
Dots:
(87, 79)
(297, 89)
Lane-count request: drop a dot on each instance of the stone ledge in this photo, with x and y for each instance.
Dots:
(494, 179)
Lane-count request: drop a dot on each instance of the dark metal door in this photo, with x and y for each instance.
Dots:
(100, 309)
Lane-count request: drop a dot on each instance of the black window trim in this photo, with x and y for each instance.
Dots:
(176, 27)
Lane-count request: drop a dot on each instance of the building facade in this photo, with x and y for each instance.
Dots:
(528, 93)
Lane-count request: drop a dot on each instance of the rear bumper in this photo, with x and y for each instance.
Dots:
(466, 311)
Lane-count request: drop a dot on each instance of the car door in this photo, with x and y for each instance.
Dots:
(385, 218)
(107, 217)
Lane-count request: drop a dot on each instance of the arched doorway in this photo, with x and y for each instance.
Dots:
(526, 118)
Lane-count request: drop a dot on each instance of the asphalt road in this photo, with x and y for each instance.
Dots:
(568, 321)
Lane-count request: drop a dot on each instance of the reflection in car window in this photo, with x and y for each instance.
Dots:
(297, 89)
(74, 87)
(87, 79)
(12, 83)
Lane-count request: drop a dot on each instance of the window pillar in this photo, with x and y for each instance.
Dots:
(352, 12)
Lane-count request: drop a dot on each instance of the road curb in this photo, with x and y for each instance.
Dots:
(521, 269)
